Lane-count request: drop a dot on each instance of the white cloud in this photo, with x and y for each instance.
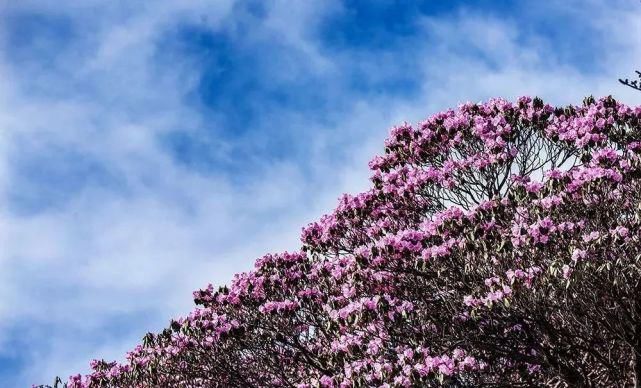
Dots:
(521, 63)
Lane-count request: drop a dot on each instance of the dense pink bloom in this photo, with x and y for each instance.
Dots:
(498, 245)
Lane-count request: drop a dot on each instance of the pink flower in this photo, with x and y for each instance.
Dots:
(326, 381)
(578, 254)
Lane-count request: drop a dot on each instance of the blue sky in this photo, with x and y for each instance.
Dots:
(149, 148)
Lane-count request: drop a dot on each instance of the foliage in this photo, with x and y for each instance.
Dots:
(498, 246)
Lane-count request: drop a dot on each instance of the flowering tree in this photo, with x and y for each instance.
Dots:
(499, 245)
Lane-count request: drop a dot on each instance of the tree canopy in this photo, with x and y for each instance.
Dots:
(499, 245)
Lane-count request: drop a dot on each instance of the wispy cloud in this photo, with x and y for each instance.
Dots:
(148, 150)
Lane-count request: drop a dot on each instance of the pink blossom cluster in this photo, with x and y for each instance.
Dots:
(498, 245)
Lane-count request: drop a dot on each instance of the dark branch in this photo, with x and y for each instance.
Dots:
(634, 84)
